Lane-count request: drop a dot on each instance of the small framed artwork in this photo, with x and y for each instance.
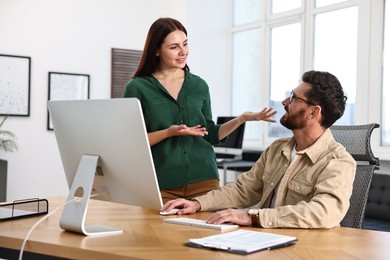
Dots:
(67, 86)
(15, 85)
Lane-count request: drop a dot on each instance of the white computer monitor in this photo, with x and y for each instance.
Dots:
(104, 148)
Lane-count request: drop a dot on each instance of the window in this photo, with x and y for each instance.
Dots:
(280, 6)
(247, 11)
(321, 3)
(285, 66)
(288, 37)
(335, 50)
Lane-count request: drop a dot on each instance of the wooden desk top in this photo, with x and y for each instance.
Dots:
(147, 237)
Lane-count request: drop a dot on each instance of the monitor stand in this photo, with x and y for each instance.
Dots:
(75, 211)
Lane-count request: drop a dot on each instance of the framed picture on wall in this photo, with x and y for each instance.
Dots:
(67, 86)
(15, 85)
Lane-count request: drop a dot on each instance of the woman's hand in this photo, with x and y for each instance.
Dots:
(266, 115)
(177, 130)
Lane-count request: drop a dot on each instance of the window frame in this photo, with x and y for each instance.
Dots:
(369, 60)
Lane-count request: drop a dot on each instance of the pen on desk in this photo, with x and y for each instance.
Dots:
(218, 247)
(281, 245)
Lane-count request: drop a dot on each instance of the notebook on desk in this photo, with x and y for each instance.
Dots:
(242, 241)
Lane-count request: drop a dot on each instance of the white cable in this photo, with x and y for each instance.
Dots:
(45, 217)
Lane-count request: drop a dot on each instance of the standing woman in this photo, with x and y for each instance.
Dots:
(177, 110)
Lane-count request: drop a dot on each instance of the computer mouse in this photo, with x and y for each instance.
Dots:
(171, 212)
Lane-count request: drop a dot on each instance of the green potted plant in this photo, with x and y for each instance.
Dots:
(7, 139)
(7, 144)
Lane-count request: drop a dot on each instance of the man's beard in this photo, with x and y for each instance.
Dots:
(293, 121)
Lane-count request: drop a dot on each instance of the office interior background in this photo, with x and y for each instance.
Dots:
(252, 54)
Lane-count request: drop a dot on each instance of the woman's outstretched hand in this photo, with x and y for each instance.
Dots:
(265, 115)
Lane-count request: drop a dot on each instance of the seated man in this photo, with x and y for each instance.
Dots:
(300, 182)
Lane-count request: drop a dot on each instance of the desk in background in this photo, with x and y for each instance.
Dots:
(147, 237)
(249, 157)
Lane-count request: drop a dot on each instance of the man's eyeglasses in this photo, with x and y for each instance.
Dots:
(295, 97)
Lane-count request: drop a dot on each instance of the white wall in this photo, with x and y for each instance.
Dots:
(208, 25)
(76, 37)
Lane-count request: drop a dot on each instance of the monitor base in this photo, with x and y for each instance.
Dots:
(75, 211)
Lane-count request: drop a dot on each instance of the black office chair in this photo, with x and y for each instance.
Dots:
(357, 140)
(229, 154)
(232, 148)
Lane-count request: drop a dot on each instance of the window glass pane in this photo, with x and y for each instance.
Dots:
(320, 3)
(385, 124)
(247, 11)
(279, 6)
(247, 60)
(336, 50)
(285, 70)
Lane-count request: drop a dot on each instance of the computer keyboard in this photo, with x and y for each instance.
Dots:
(200, 223)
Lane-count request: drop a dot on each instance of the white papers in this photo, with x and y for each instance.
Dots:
(243, 241)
